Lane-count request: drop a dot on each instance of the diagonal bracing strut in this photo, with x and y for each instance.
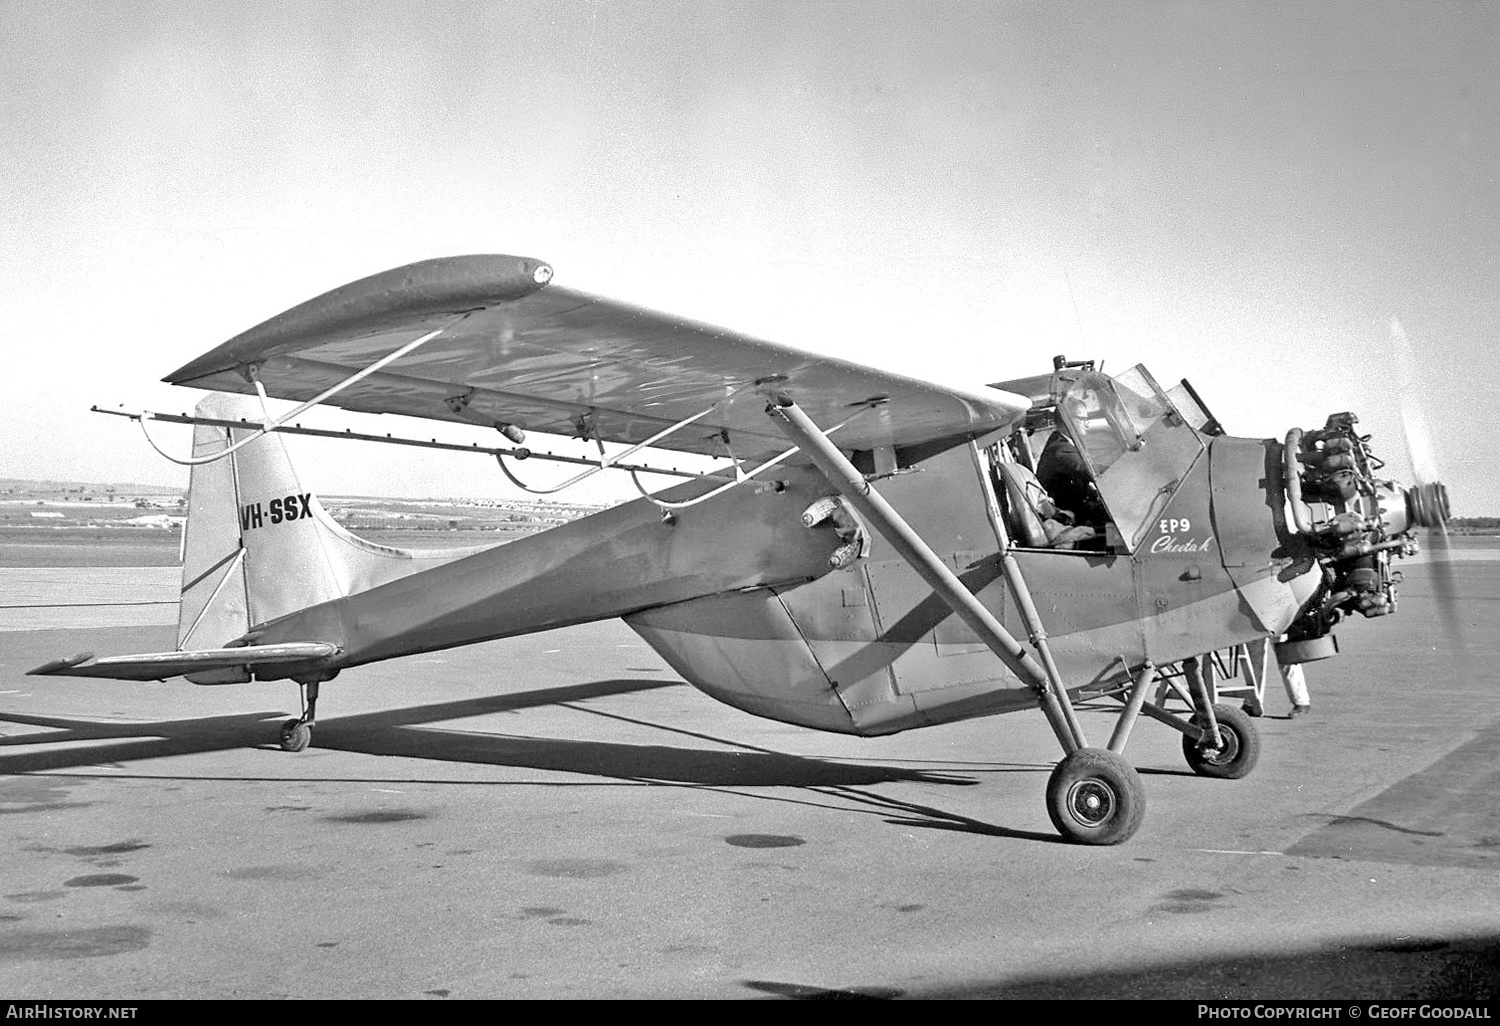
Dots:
(850, 483)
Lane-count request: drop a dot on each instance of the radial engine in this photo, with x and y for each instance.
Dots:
(1355, 521)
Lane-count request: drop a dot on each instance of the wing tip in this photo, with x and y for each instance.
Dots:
(425, 289)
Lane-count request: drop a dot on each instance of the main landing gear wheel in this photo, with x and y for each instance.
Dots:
(1238, 755)
(295, 735)
(1095, 797)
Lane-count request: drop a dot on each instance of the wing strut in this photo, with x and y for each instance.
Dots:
(740, 476)
(845, 477)
(607, 462)
(611, 462)
(275, 423)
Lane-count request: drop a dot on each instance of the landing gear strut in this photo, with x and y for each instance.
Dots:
(1095, 797)
(297, 734)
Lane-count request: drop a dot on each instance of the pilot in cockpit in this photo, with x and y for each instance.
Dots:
(1037, 518)
(1062, 471)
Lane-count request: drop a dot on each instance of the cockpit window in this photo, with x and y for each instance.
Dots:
(1142, 401)
(1097, 421)
(1132, 439)
(1188, 403)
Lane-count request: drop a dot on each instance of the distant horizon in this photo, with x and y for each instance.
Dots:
(146, 489)
(7, 482)
(138, 488)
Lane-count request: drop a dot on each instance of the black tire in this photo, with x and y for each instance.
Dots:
(1241, 748)
(1095, 797)
(295, 736)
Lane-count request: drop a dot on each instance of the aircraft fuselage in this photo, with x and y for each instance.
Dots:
(738, 596)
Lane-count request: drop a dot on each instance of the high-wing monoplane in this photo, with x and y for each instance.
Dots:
(867, 560)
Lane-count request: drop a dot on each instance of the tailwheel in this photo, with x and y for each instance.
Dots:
(1095, 797)
(1236, 757)
(295, 735)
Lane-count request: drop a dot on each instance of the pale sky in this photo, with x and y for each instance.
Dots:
(1243, 194)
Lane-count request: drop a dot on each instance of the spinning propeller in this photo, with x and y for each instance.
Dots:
(1427, 500)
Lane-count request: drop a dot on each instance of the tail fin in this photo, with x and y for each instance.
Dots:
(258, 543)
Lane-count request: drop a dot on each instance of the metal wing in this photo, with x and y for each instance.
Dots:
(559, 361)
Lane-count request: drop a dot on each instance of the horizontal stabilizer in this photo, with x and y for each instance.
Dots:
(161, 665)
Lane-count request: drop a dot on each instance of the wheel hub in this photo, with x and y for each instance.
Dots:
(1091, 801)
(1226, 752)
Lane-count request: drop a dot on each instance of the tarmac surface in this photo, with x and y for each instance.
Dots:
(559, 816)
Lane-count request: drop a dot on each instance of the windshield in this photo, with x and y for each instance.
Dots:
(1134, 441)
(1094, 419)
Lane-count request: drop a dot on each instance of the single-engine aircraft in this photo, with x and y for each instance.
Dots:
(865, 562)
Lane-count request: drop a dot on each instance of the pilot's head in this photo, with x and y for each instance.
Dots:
(1083, 403)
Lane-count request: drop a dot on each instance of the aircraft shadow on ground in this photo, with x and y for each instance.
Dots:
(399, 732)
(135, 739)
(1448, 969)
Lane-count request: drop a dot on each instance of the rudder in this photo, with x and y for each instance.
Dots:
(258, 544)
(235, 573)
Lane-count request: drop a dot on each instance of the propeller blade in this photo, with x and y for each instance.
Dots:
(1427, 501)
(1418, 441)
(1413, 420)
(1445, 594)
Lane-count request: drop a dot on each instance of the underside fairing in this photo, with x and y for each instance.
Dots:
(814, 655)
(776, 653)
